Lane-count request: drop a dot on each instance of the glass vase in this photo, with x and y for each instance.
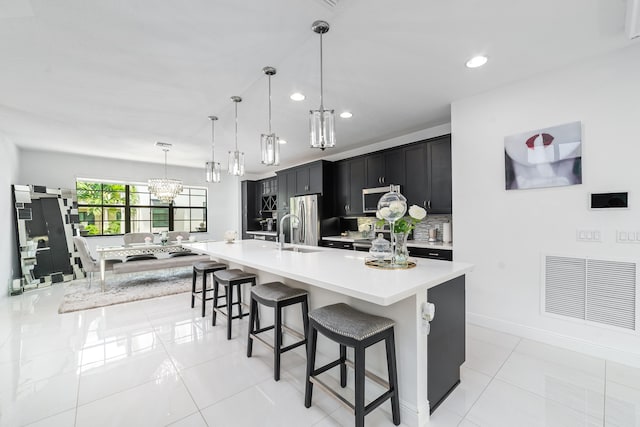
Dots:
(400, 251)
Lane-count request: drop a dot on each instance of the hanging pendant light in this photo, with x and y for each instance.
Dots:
(321, 121)
(165, 189)
(270, 143)
(213, 170)
(236, 158)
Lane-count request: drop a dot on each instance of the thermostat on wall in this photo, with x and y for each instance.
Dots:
(609, 200)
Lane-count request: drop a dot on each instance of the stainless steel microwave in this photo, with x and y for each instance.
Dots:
(370, 197)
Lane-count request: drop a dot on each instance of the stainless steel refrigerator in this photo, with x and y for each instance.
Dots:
(305, 230)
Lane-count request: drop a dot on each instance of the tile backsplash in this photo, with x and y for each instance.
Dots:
(420, 232)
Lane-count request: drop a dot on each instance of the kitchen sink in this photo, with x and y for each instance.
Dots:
(301, 250)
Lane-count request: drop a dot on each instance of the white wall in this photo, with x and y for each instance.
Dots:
(8, 252)
(505, 233)
(61, 170)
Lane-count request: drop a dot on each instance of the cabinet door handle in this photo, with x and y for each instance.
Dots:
(424, 204)
(383, 179)
(429, 204)
(433, 254)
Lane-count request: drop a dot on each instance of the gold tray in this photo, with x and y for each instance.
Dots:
(386, 264)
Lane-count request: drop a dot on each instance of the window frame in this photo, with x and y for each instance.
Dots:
(128, 206)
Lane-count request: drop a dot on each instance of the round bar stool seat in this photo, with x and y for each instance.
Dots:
(229, 279)
(276, 295)
(205, 268)
(349, 327)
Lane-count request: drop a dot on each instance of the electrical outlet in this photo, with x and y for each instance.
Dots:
(625, 236)
(588, 235)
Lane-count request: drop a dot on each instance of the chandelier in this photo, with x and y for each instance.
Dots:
(213, 168)
(165, 189)
(236, 158)
(270, 143)
(321, 121)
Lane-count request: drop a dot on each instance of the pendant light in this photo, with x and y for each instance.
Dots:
(270, 143)
(165, 189)
(212, 168)
(321, 121)
(236, 158)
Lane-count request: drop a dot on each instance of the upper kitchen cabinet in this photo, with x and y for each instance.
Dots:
(439, 166)
(350, 180)
(428, 168)
(386, 168)
(312, 178)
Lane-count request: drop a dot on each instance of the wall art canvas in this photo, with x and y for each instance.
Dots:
(549, 157)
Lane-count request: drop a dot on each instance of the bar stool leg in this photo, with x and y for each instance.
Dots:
(393, 377)
(252, 313)
(359, 363)
(239, 293)
(193, 288)
(204, 291)
(277, 332)
(343, 366)
(229, 292)
(215, 301)
(305, 323)
(311, 363)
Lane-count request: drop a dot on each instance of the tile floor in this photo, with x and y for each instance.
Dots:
(156, 363)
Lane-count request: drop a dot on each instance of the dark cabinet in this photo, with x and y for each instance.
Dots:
(385, 168)
(250, 208)
(442, 254)
(309, 179)
(286, 189)
(416, 187)
(439, 167)
(428, 171)
(446, 340)
(336, 244)
(350, 180)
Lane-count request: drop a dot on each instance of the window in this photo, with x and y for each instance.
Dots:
(108, 208)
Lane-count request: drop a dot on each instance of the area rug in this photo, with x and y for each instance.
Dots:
(124, 288)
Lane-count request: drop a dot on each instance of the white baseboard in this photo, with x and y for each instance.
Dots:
(553, 338)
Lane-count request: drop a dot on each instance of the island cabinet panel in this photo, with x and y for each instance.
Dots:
(385, 168)
(446, 342)
(350, 180)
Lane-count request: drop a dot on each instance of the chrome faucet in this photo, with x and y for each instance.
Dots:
(281, 238)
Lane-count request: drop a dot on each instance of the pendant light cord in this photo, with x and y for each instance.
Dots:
(213, 143)
(321, 85)
(165, 163)
(269, 104)
(236, 102)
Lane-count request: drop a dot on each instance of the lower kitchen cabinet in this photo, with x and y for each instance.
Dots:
(336, 244)
(443, 254)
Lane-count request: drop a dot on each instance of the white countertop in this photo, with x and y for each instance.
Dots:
(263, 233)
(410, 243)
(336, 270)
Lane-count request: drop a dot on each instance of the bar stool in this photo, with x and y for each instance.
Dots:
(229, 279)
(204, 268)
(276, 295)
(350, 327)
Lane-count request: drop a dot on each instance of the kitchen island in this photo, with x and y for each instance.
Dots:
(333, 275)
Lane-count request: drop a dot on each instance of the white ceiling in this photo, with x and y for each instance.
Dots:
(109, 78)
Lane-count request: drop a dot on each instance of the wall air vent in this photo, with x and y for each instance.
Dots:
(596, 291)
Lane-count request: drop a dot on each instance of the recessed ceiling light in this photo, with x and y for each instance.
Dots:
(477, 61)
(346, 115)
(297, 96)
(282, 141)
